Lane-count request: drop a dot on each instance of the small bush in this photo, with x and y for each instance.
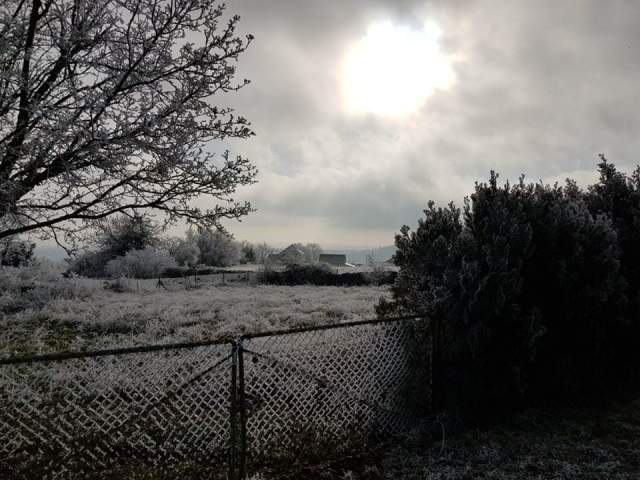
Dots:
(89, 264)
(34, 286)
(147, 263)
(187, 254)
(216, 249)
(115, 237)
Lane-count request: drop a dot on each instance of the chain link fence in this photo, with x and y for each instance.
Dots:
(109, 414)
(213, 410)
(332, 390)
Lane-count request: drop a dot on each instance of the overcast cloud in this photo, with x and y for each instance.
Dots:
(541, 88)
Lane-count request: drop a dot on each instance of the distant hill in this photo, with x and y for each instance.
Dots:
(380, 254)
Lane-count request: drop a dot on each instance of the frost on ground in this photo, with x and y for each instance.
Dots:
(576, 444)
(536, 445)
(43, 313)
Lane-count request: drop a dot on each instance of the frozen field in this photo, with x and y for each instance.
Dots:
(80, 314)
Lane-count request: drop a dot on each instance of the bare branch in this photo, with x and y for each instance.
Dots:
(105, 107)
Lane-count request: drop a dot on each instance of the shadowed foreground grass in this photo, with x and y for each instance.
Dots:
(534, 446)
(580, 445)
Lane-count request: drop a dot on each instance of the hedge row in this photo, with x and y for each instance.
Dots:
(321, 275)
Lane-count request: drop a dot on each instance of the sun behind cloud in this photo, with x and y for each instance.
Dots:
(393, 69)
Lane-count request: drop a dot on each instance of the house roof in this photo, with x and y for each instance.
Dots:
(292, 250)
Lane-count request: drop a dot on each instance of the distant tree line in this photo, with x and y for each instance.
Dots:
(533, 291)
(131, 246)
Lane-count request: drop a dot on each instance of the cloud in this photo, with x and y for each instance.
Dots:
(542, 88)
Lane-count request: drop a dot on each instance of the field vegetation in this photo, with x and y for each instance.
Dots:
(40, 311)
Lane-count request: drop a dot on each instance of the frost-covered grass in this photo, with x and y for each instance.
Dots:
(575, 444)
(71, 314)
(536, 445)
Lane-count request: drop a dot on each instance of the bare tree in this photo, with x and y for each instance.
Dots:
(217, 249)
(145, 263)
(187, 254)
(263, 250)
(312, 251)
(105, 108)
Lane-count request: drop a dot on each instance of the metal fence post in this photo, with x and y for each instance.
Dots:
(233, 408)
(242, 464)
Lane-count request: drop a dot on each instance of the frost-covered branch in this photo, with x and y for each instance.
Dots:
(106, 107)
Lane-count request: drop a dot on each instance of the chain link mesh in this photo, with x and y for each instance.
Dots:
(334, 388)
(106, 416)
(167, 410)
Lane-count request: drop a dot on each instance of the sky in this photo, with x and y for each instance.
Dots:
(366, 110)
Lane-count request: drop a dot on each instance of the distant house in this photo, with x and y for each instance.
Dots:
(335, 260)
(289, 256)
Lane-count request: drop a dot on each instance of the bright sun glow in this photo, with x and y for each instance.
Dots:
(393, 69)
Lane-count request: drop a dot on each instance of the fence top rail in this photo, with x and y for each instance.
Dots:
(271, 333)
(61, 356)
